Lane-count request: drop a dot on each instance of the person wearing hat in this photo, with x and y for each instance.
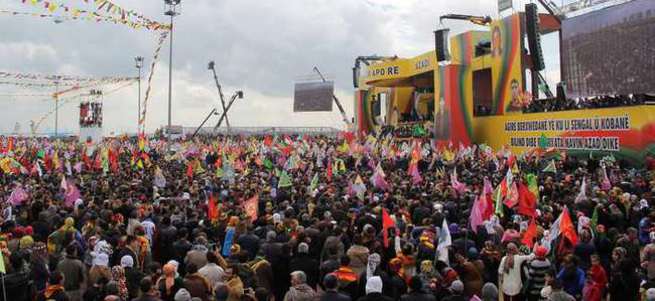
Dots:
(537, 269)
(457, 291)
(374, 290)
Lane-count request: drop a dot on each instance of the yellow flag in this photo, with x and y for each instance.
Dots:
(52, 7)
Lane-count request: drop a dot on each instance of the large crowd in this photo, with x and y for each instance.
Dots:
(315, 218)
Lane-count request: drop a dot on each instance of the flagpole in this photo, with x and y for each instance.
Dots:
(4, 288)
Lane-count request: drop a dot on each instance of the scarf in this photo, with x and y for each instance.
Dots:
(118, 273)
(509, 263)
(51, 290)
(373, 262)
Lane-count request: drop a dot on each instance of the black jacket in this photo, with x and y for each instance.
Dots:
(309, 265)
(418, 296)
(334, 296)
(375, 297)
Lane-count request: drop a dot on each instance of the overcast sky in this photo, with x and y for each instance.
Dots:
(260, 47)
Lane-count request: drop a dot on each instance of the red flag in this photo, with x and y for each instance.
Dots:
(113, 160)
(527, 201)
(212, 208)
(566, 227)
(329, 171)
(251, 207)
(530, 234)
(268, 140)
(189, 171)
(387, 223)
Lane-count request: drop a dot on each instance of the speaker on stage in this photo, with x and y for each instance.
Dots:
(375, 105)
(534, 37)
(441, 44)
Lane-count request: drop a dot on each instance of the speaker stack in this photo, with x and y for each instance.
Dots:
(534, 37)
(441, 44)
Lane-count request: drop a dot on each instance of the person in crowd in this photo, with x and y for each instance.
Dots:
(417, 292)
(147, 291)
(537, 270)
(55, 289)
(374, 290)
(367, 211)
(74, 273)
(509, 272)
(331, 284)
(299, 290)
(169, 283)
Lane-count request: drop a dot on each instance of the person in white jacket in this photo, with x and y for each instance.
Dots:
(509, 273)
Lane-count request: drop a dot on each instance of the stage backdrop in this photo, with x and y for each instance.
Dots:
(610, 51)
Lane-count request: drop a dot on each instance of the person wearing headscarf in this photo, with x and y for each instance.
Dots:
(99, 269)
(509, 272)
(60, 238)
(169, 283)
(118, 275)
(374, 288)
(489, 292)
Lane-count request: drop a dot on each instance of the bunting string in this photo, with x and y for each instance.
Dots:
(116, 14)
(66, 78)
(155, 59)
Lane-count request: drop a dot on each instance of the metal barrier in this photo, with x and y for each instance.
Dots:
(249, 131)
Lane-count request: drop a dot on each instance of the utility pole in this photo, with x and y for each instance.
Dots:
(139, 64)
(56, 108)
(172, 4)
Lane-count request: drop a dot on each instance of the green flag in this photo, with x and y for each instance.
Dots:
(498, 198)
(532, 185)
(418, 131)
(543, 141)
(2, 264)
(314, 182)
(285, 180)
(551, 167)
(41, 154)
(268, 164)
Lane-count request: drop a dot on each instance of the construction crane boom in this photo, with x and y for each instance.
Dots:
(479, 20)
(220, 91)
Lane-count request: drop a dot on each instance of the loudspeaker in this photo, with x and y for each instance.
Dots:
(534, 37)
(561, 91)
(441, 44)
(375, 106)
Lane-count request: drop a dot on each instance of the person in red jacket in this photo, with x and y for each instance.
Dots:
(591, 291)
(598, 273)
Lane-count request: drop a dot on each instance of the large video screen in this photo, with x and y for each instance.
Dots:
(313, 96)
(610, 51)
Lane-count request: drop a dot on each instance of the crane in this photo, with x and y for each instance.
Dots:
(479, 20)
(210, 66)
